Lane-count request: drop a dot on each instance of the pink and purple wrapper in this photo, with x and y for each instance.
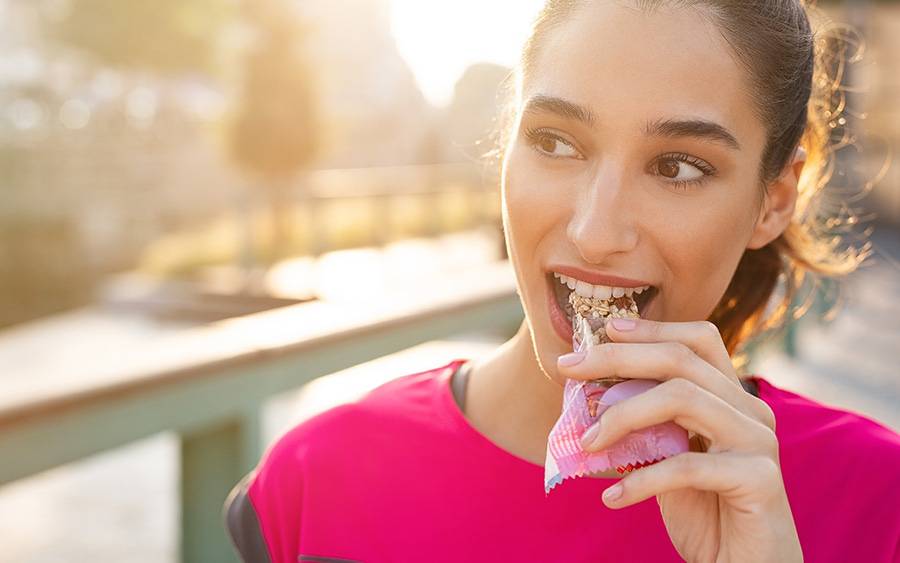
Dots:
(583, 403)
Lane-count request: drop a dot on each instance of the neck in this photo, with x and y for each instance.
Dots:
(512, 401)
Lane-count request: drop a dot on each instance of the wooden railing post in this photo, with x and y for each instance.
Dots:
(213, 460)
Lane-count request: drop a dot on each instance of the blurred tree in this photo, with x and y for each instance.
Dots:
(37, 274)
(157, 35)
(471, 115)
(65, 190)
(273, 136)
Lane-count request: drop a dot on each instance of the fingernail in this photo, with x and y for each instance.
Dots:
(624, 324)
(571, 359)
(613, 493)
(588, 437)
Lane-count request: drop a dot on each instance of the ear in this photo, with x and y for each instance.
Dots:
(779, 204)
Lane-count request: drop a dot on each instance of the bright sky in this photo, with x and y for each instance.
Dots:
(440, 38)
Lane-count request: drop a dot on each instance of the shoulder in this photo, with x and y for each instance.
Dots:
(805, 423)
(835, 457)
(396, 410)
(328, 451)
(409, 403)
(840, 473)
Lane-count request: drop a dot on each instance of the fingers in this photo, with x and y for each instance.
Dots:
(691, 407)
(701, 336)
(728, 474)
(663, 361)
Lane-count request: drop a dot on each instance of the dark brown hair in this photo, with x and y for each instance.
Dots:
(796, 76)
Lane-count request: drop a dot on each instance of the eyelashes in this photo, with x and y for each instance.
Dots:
(542, 137)
(539, 136)
(705, 169)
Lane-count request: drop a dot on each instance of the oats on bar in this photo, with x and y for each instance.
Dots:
(590, 314)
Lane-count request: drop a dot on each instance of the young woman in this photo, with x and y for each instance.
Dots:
(676, 145)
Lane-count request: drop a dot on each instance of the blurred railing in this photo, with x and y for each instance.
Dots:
(174, 216)
(380, 186)
(210, 384)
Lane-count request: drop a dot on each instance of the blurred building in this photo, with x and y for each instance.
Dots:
(879, 97)
(471, 118)
(373, 109)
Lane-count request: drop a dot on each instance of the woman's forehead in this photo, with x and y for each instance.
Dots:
(628, 67)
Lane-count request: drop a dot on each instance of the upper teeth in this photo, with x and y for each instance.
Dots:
(585, 289)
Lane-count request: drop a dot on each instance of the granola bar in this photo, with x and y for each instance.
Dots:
(585, 401)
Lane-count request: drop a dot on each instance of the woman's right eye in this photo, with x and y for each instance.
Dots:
(547, 143)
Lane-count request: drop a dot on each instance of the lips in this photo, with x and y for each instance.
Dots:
(596, 278)
(561, 311)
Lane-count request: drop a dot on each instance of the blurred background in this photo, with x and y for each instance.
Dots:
(198, 196)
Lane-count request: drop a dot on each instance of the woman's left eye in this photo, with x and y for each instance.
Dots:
(682, 170)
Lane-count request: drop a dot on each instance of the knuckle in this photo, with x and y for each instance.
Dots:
(680, 394)
(710, 330)
(606, 353)
(767, 472)
(689, 462)
(681, 354)
(770, 442)
(680, 389)
(765, 413)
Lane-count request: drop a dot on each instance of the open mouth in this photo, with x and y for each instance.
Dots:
(562, 291)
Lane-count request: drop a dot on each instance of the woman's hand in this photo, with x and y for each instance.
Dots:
(727, 503)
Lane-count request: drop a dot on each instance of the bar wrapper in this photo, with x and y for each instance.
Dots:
(585, 401)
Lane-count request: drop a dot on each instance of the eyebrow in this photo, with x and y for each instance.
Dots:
(699, 128)
(672, 128)
(561, 107)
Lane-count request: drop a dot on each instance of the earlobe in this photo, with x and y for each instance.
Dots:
(779, 204)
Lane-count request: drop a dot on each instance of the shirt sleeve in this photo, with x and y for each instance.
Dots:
(243, 525)
(263, 512)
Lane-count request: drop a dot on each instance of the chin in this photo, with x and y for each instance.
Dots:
(547, 348)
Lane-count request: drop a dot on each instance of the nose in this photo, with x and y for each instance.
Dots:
(602, 218)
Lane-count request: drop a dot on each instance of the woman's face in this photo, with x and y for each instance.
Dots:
(659, 185)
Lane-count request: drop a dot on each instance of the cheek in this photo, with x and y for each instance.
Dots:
(532, 203)
(703, 249)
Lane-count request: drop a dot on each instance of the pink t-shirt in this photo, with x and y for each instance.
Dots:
(401, 476)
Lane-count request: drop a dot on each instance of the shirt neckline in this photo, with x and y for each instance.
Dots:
(458, 418)
(449, 403)
(487, 444)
